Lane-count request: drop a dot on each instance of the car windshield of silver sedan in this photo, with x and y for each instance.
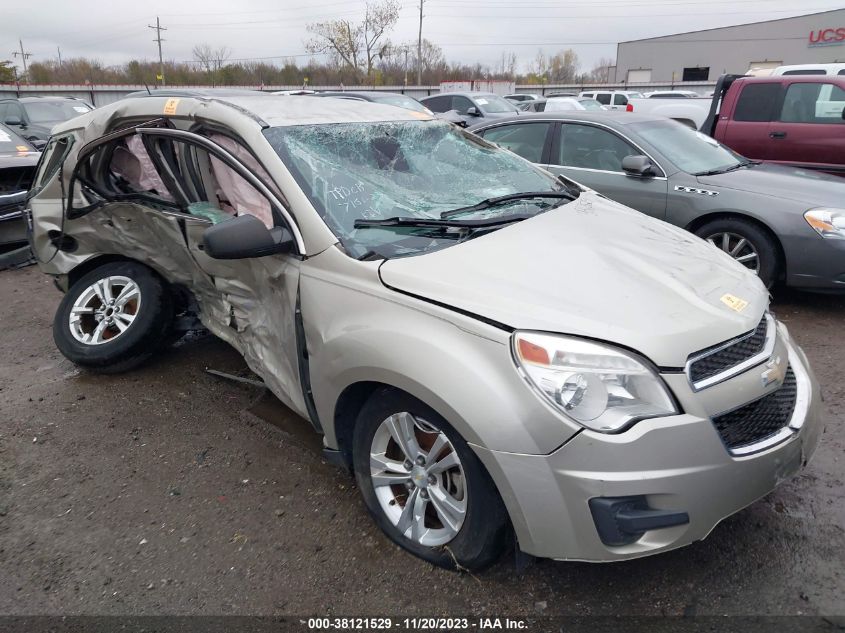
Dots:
(387, 189)
(495, 104)
(691, 151)
(403, 102)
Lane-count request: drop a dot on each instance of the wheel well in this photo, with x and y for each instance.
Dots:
(697, 223)
(90, 264)
(346, 411)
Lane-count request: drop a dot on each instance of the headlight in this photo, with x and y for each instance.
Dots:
(827, 222)
(600, 387)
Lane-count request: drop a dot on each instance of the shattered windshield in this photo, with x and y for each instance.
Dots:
(405, 169)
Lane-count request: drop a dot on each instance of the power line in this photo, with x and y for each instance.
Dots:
(158, 29)
(419, 47)
(24, 56)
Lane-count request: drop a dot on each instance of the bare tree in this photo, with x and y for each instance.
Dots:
(601, 70)
(507, 65)
(357, 46)
(340, 39)
(211, 59)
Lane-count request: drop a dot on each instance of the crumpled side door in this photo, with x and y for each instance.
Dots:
(250, 303)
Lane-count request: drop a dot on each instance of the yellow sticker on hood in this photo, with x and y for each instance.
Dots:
(170, 106)
(734, 303)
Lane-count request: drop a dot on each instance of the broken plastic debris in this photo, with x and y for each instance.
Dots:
(143, 541)
(223, 374)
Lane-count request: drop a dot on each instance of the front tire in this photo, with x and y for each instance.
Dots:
(114, 317)
(424, 486)
(747, 243)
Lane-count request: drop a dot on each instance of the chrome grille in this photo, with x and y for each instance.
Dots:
(759, 419)
(720, 358)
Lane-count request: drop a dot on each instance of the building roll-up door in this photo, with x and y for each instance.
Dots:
(639, 76)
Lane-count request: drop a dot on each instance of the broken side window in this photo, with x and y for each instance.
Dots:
(119, 171)
(210, 187)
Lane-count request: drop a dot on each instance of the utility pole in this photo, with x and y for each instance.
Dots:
(24, 57)
(158, 29)
(59, 51)
(419, 47)
(405, 83)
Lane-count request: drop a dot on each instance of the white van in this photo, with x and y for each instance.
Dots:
(613, 99)
(810, 69)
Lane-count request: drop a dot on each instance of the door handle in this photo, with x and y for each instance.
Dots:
(777, 134)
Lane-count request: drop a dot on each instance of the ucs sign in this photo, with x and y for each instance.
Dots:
(827, 37)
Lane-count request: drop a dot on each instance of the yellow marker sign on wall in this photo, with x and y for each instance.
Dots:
(734, 303)
(170, 106)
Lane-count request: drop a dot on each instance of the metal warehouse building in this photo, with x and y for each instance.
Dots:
(704, 55)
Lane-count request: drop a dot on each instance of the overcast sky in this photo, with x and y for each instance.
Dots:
(467, 30)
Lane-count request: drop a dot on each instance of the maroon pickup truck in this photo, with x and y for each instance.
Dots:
(796, 120)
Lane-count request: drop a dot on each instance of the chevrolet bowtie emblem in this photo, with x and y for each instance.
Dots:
(775, 372)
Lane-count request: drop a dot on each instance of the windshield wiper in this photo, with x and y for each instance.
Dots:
(435, 223)
(725, 170)
(492, 202)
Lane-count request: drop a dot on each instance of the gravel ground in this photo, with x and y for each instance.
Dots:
(170, 491)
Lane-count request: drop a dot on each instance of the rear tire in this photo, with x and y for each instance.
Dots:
(114, 317)
(463, 524)
(747, 243)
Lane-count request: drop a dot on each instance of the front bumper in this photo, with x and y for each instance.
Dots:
(815, 263)
(677, 463)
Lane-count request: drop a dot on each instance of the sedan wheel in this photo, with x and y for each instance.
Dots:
(749, 243)
(424, 486)
(104, 310)
(114, 317)
(419, 480)
(737, 247)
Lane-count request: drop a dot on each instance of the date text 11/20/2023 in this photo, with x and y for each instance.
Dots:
(415, 624)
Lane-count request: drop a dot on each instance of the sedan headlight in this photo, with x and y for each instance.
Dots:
(600, 387)
(827, 222)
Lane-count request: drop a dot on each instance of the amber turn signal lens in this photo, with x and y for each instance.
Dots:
(531, 353)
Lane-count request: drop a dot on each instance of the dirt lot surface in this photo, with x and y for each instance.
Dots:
(171, 491)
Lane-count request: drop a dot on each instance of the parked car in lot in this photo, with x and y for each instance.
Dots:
(810, 69)
(781, 223)
(691, 111)
(488, 347)
(560, 104)
(18, 158)
(522, 96)
(794, 120)
(387, 98)
(33, 117)
(789, 119)
(613, 99)
(671, 94)
(470, 106)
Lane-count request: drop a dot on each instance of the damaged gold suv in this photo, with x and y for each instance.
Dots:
(491, 349)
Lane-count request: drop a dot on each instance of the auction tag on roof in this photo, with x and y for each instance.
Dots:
(734, 303)
(170, 106)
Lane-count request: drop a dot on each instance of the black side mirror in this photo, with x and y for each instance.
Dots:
(245, 236)
(13, 120)
(638, 166)
(473, 111)
(38, 143)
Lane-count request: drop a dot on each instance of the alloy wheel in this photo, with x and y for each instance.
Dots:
(418, 479)
(104, 310)
(738, 247)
